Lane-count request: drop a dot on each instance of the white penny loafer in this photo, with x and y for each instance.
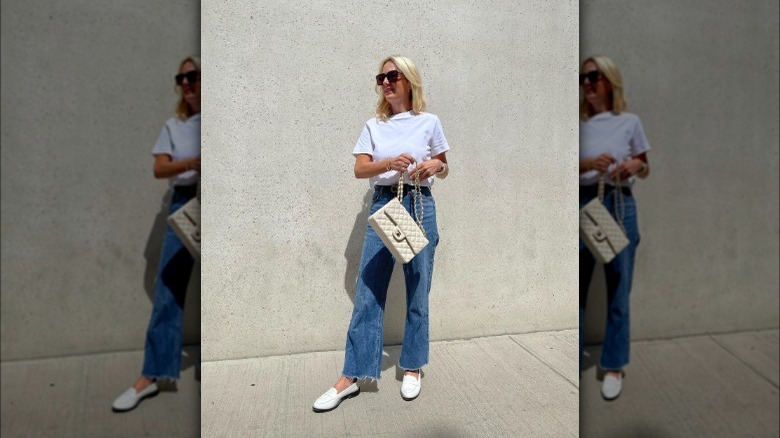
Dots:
(610, 388)
(330, 400)
(130, 399)
(410, 387)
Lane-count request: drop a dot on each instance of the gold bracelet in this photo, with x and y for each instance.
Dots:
(387, 166)
(644, 169)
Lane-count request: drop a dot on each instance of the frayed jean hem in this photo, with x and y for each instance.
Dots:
(412, 369)
(162, 378)
(364, 378)
(603, 368)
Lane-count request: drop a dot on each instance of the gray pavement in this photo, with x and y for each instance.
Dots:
(504, 386)
(705, 386)
(513, 385)
(71, 397)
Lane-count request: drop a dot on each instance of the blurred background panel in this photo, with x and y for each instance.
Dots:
(703, 77)
(86, 87)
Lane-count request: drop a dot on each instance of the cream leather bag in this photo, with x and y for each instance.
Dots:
(604, 237)
(404, 237)
(186, 223)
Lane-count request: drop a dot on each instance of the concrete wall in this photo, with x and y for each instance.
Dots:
(86, 88)
(703, 76)
(287, 89)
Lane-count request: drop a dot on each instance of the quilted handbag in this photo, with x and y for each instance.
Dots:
(603, 236)
(404, 237)
(186, 223)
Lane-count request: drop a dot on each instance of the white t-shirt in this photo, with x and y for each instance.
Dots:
(180, 139)
(620, 135)
(418, 135)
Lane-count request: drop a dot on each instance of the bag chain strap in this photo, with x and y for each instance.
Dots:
(618, 199)
(417, 199)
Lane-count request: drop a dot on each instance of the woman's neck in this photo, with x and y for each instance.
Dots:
(401, 107)
(599, 107)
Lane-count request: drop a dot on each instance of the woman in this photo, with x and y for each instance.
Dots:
(613, 142)
(176, 157)
(401, 140)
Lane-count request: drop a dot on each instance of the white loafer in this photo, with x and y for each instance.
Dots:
(330, 400)
(410, 387)
(130, 399)
(611, 387)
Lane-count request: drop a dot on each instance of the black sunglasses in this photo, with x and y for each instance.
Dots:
(192, 76)
(592, 77)
(392, 76)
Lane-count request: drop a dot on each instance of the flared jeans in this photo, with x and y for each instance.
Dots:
(162, 354)
(363, 355)
(619, 274)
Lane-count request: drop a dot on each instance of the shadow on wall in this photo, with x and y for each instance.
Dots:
(596, 308)
(191, 322)
(395, 307)
(154, 245)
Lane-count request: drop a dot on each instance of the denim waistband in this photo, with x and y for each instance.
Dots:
(407, 188)
(188, 191)
(593, 191)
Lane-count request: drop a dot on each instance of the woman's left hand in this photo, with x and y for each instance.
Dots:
(627, 169)
(427, 168)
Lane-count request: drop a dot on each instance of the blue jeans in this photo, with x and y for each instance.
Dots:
(618, 273)
(363, 356)
(162, 355)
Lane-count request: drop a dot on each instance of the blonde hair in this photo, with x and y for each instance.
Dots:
(183, 110)
(410, 72)
(609, 69)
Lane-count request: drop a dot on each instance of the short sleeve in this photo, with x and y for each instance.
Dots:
(364, 144)
(438, 141)
(638, 140)
(163, 145)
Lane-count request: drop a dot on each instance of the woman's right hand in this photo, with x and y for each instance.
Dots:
(601, 163)
(194, 163)
(165, 167)
(401, 163)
